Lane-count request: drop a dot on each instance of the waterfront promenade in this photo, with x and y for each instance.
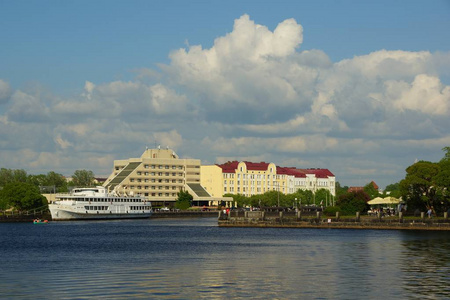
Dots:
(45, 215)
(261, 219)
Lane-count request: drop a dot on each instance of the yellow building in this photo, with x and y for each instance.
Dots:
(159, 174)
(248, 178)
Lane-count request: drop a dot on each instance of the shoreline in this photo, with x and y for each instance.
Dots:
(170, 214)
(263, 219)
(340, 225)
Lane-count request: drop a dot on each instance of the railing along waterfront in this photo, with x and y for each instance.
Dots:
(300, 219)
(23, 216)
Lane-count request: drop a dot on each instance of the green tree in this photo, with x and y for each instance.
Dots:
(323, 197)
(340, 190)
(21, 196)
(240, 199)
(442, 183)
(393, 190)
(56, 180)
(371, 190)
(353, 202)
(447, 154)
(419, 188)
(305, 197)
(9, 175)
(184, 200)
(83, 178)
(37, 180)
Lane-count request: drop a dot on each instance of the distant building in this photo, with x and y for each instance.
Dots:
(249, 178)
(99, 180)
(361, 188)
(159, 174)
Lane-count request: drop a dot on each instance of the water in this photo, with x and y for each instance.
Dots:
(194, 259)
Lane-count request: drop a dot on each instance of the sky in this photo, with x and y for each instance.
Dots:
(361, 88)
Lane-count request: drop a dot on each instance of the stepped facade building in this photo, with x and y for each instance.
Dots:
(248, 178)
(159, 174)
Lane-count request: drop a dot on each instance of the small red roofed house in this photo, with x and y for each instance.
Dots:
(361, 188)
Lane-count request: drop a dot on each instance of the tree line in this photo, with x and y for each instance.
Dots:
(23, 191)
(321, 197)
(426, 186)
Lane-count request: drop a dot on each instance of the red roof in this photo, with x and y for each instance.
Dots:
(355, 189)
(320, 173)
(231, 167)
(361, 188)
(291, 171)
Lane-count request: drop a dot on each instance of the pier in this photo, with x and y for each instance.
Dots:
(292, 219)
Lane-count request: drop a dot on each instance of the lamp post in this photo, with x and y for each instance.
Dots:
(296, 208)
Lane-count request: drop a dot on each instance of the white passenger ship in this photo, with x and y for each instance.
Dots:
(97, 203)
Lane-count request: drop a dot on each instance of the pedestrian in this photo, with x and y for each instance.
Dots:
(429, 213)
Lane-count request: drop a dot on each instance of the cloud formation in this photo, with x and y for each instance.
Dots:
(253, 95)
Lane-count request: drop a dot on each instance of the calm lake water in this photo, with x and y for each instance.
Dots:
(194, 259)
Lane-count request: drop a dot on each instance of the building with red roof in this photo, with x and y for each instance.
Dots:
(250, 178)
(361, 188)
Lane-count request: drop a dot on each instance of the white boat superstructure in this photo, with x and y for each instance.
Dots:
(97, 203)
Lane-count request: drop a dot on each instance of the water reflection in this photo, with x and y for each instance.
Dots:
(425, 264)
(196, 259)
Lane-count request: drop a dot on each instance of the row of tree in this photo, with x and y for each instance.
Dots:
(22, 191)
(425, 186)
(322, 197)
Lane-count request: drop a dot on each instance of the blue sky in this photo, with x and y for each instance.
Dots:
(347, 77)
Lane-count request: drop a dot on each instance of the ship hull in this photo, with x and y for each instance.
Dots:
(61, 214)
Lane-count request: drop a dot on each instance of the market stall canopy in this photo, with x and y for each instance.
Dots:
(387, 200)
